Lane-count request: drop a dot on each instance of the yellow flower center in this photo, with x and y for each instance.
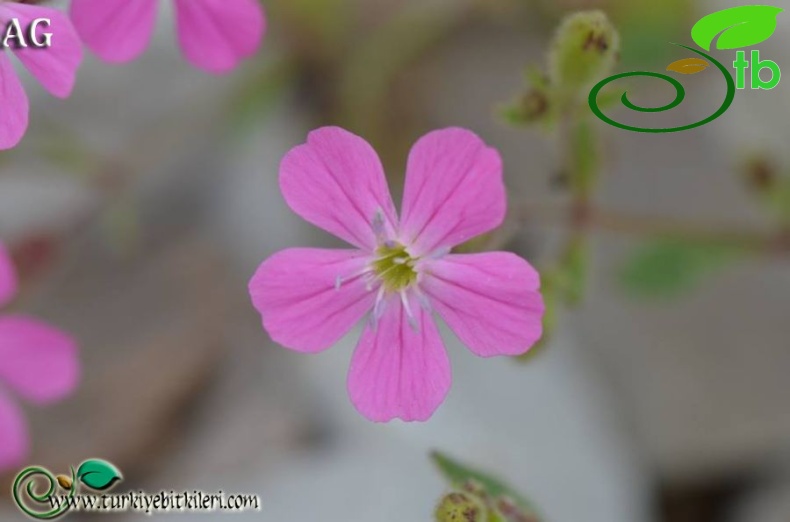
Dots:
(394, 267)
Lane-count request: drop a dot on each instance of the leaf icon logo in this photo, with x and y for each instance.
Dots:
(688, 66)
(98, 475)
(742, 26)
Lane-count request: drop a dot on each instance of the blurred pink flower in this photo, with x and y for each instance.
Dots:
(401, 271)
(37, 362)
(55, 67)
(215, 35)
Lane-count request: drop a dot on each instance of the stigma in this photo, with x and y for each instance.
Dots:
(394, 267)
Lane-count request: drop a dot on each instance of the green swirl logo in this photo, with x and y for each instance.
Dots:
(26, 492)
(35, 487)
(735, 28)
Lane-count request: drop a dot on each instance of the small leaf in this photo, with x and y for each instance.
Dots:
(742, 26)
(688, 66)
(459, 476)
(98, 474)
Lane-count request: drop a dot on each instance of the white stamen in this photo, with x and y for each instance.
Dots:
(425, 304)
(378, 308)
(364, 273)
(406, 306)
(379, 226)
(438, 253)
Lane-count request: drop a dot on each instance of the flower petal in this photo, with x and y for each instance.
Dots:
(491, 301)
(454, 191)
(14, 438)
(398, 371)
(336, 182)
(116, 30)
(8, 277)
(13, 106)
(55, 67)
(215, 35)
(36, 360)
(309, 297)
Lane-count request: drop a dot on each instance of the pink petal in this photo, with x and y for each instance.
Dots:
(454, 191)
(37, 361)
(304, 304)
(336, 182)
(14, 439)
(398, 371)
(116, 30)
(491, 301)
(216, 35)
(55, 67)
(8, 279)
(13, 105)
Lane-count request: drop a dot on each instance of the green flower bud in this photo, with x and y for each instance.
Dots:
(461, 507)
(585, 48)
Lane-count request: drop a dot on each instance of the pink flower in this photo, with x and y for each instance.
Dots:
(401, 270)
(215, 35)
(37, 362)
(55, 67)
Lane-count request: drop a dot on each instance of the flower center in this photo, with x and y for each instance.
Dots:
(394, 267)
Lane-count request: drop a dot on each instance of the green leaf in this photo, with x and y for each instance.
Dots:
(99, 475)
(460, 475)
(666, 268)
(532, 107)
(535, 105)
(741, 27)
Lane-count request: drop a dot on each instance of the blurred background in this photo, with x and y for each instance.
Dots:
(138, 209)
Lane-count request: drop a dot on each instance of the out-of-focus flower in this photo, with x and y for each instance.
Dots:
(37, 362)
(54, 65)
(401, 270)
(215, 35)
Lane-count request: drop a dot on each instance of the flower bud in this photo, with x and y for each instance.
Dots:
(585, 48)
(461, 507)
